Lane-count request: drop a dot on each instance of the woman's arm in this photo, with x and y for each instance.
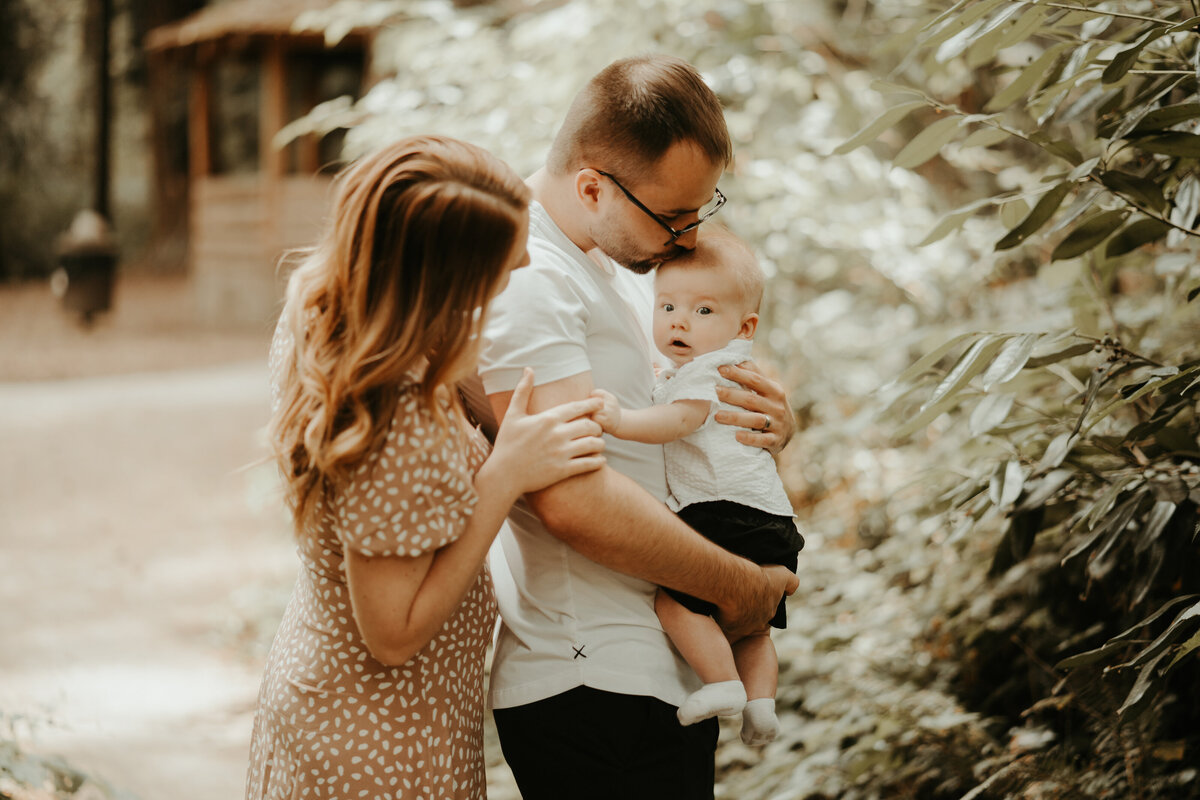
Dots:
(401, 602)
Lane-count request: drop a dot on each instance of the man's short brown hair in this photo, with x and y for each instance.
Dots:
(632, 111)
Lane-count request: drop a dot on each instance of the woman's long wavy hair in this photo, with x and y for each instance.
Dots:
(420, 238)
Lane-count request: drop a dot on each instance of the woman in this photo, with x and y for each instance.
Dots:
(373, 687)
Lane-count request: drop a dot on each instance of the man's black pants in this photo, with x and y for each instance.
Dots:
(586, 743)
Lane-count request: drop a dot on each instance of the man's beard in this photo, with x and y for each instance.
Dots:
(621, 251)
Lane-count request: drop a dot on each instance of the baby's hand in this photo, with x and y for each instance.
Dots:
(608, 417)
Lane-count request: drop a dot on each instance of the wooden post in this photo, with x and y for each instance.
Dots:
(274, 109)
(199, 124)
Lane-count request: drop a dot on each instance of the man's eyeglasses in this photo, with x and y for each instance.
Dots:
(705, 212)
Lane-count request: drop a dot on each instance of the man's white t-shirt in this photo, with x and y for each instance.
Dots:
(567, 621)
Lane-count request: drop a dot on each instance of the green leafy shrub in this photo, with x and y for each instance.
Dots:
(1081, 464)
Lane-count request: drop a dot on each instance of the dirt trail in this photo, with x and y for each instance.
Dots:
(136, 555)
(139, 565)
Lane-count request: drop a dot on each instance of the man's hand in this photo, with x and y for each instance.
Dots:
(767, 417)
(761, 599)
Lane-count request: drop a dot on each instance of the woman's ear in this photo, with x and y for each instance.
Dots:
(749, 326)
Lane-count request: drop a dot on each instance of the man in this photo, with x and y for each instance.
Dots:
(585, 684)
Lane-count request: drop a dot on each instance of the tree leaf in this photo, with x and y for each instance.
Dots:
(1186, 648)
(1163, 118)
(985, 41)
(1040, 490)
(1014, 482)
(1145, 679)
(990, 411)
(1057, 450)
(947, 225)
(986, 136)
(1090, 233)
(1171, 143)
(1123, 61)
(1042, 211)
(1084, 201)
(1060, 355)
(1185, 204)
(1057, 147)
(926, 144)
(1121, 638)
(1027, 78)
(925, 362)
(1146, 192)
(1137, 233)
(872, 129)
(1012, 359)
(957, 23)
(945, 396)
(1154, 523)
(1105, 557)
(1153, 650)
(1012, 212)
(1106, 500)
(971, 364)
(1030, 19)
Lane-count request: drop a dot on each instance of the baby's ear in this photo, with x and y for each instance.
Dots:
(749, 326)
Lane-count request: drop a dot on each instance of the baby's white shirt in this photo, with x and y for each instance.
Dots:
(710, 463)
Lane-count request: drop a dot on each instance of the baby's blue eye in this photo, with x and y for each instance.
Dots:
(702, 310)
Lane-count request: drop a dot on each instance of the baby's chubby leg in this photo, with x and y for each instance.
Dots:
(703, 645)
(758, 666)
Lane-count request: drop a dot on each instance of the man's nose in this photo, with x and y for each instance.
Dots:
(688, 240)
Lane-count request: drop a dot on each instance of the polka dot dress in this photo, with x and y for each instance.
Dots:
(333, 722)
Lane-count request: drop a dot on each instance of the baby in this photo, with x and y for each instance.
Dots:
(705, 315)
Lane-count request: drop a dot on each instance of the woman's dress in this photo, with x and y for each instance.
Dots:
(333, 722)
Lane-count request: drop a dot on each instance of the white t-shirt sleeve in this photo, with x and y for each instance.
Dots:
(540, 320)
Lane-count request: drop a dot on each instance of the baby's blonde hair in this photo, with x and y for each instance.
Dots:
(717, 246)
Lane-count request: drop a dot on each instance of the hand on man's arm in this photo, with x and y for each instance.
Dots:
(766, 415)
(609, 518)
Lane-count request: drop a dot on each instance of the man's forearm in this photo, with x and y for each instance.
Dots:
(609, 518)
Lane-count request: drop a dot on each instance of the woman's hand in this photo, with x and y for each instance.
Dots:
(533, 451)
(767, 416)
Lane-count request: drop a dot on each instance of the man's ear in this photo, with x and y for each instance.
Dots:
(749, 326)
(587, 187)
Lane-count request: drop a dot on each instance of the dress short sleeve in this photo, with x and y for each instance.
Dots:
(414, 495)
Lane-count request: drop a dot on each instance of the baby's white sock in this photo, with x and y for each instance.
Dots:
(759, 723)
(712, 700)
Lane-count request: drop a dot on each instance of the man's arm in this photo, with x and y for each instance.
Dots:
(609, 518)
(767, 416)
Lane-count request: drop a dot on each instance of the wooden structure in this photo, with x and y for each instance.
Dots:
(247, 70)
